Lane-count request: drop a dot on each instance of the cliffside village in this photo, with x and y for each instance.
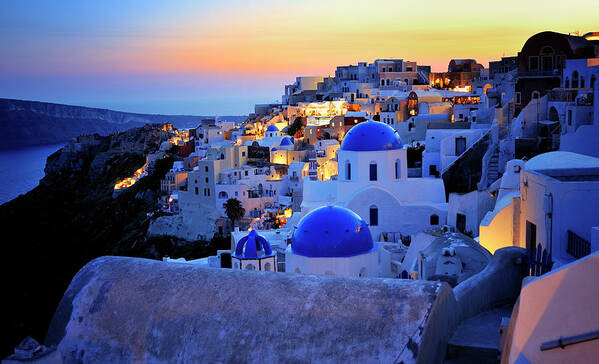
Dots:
(387, 169)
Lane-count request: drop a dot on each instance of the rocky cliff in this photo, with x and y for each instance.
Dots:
(72, 217)
(27, 123)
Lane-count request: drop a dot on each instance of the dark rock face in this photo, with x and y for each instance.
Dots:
(27, 123)
(127, 309)
(71, 218)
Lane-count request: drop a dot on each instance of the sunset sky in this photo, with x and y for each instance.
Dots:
(221, 57)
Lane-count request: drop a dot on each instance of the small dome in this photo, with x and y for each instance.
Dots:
(331, 231)
(252, 246)
(561, 160)
(272, 127)
(286, 141)
(274, 149)
(371, 136)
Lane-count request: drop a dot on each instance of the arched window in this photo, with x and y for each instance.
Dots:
(593, 78)
(535, 95)
(567, 83)
(397, 169)
(387, 82)
(348, 170)
(267, 267)
(222, 194)
(236, 265)
(363, 272)
(434, 219)
(581, 82)
(382, 82)
(373, 171)
(250, 267)
(575, 79)
(374, 216)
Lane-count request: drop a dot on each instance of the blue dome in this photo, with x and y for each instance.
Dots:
(274, 149)
(331, 231)
(286, 141)
(249, 246)
(272, 127)
(370, 136)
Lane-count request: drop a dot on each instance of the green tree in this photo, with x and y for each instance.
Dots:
(234, 210)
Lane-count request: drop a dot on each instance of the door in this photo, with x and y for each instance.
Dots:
(531, 236)
(460, 222)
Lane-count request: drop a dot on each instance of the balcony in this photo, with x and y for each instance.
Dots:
(562, 95)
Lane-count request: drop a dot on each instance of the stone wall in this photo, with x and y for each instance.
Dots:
(127, 309)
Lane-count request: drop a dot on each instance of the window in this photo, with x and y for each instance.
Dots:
(432, 170)
(206, 179)
(373, 171)
(206, 168)
(581, 82)
(374, 216)
(593, 79)
(267, 267)
(434, 220)
(397, 169)
(196, 189)
(575, 79)
(533, 63)
(518, 98)
(460, 145)
(535, 95)
(567, 83)
(243, 154)
(250, 267)
(246, 173)
(222, 194)
(348, 171)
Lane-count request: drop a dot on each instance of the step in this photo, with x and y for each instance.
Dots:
(476, 340)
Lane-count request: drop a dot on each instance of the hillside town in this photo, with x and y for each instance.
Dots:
(475, 189)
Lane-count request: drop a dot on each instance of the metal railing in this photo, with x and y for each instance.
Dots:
(562, 342)
(577, 246)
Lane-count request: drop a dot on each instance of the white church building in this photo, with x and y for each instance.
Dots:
(332, 240)
(373, 182)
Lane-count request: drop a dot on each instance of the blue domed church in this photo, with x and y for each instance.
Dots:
(332, 240)
(253, 252)
(372, 181)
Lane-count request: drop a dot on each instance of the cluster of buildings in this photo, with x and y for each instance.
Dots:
(486, 179)
(390, 170)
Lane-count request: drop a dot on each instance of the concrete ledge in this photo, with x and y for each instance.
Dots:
(120, 309)
(498, 284)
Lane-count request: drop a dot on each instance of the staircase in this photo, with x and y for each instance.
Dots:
(476, 340)
(493, 169)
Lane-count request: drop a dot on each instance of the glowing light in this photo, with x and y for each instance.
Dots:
(462, 89)
(130, 181)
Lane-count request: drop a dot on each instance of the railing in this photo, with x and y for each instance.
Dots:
(570, 340)
(539, 74)
(539, 261)
(577, 246)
